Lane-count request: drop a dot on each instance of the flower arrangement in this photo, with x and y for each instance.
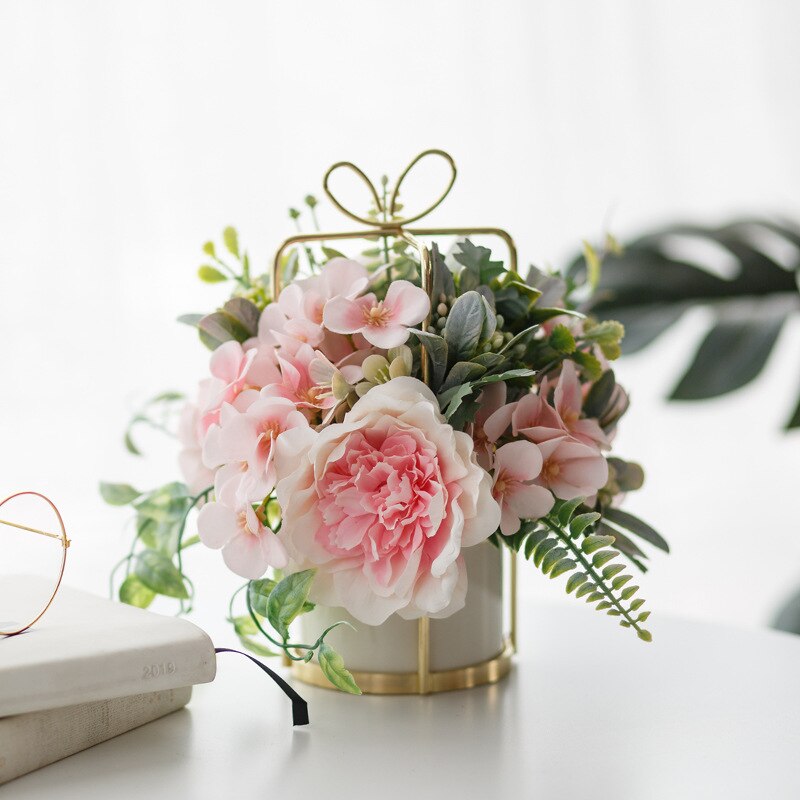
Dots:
(361, 428)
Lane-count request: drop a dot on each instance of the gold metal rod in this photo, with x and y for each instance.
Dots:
(32, 530)
(423, 655)
(513, 635)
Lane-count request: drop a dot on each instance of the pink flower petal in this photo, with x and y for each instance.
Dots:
(519, 460)
(390, 336)
(343, 315)
(409, 304)
(216, 525)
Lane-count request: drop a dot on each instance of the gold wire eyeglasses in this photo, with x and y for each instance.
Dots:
(32, 539)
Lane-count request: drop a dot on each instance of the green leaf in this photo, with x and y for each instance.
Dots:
(592, 265)
(732, 354)
(596, 541)
(542, 549)
(551, 558)
(628, 522)
(332, 666)
(562, 566)
(562, 340)
(209, 249)
(287, 599)
(135, 593)
(130, 446)
(118, 494)
(192, 320)
(477, 263)
(580, 523)
(603, 557)
(330, 252)
(584, 589)
(160, 575)
(258, 593)
(231, 240)
(533, 541)
(462, 372)
(576, 580)
(465, 322)
(210, 274)
(256, 647)
(645, 635)
(567, 509)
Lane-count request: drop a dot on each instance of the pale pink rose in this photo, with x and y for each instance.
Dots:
(296, 383)
(516, 465)
(568, 401)
(241, 446)
(248, 548)
(382, 503)
(571, 468)
(382, 323)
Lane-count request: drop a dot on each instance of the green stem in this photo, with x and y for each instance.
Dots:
(599, 581)
(114, 572)
(195, 500)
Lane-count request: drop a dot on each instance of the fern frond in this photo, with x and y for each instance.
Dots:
(563, 542)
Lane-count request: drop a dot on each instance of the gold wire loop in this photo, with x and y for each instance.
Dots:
(396, 191)
(389, 212)
(360, 174)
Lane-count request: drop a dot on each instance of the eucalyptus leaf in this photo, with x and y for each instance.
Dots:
(193, 320)
(464, 326)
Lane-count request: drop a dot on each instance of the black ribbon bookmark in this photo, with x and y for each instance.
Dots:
(299, 706)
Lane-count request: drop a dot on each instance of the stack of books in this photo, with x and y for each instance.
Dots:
(90, 670)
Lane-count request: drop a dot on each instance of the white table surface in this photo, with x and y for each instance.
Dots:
(703, 712)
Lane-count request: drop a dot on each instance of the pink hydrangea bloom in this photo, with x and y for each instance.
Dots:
(296, 383)
(516, 465)
(382, 503)
(248, 548)
(568, 401)
(240, 448)
(296, 317)
(382, 323)
(571, 468)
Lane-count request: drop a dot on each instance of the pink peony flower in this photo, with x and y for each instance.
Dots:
(383, 323)
(382, 503)
(571, 468)
(248, 548)
(516, 465)
(568, 400)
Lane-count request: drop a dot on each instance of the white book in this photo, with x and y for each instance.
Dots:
(31, 741)
(87, 648)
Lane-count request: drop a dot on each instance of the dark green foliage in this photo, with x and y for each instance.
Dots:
(649, 288)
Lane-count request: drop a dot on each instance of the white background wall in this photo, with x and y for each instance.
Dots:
(132, 131)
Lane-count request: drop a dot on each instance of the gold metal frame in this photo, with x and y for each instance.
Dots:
(424, 680)
(62, 537)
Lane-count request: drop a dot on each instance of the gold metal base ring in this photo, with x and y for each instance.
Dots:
(485, 672)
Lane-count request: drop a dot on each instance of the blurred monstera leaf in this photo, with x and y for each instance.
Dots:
(654, 279)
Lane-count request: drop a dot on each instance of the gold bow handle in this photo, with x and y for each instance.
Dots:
(389, 212)
(391, 225)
